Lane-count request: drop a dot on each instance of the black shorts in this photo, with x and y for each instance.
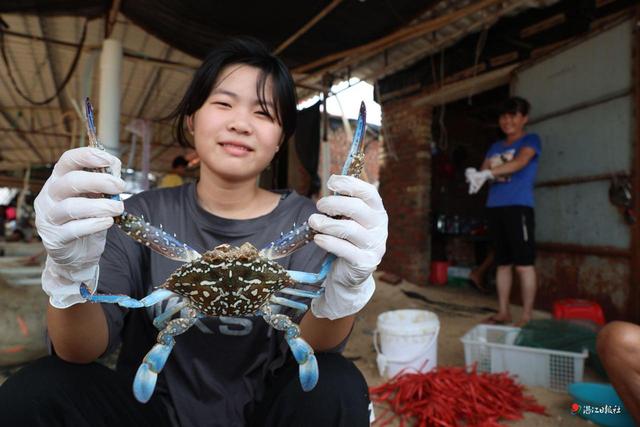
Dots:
(512, 228)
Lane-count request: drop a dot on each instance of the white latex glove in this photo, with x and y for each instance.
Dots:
(477, 179)
(73, 227)
(468, 172)
(358, 241)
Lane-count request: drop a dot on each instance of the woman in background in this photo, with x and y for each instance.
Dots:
(511, 165)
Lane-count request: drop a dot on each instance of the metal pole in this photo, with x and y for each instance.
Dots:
(109, 112)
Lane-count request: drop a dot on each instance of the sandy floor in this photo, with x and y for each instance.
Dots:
(450, 349)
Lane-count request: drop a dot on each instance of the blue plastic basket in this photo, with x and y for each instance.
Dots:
(597, 402)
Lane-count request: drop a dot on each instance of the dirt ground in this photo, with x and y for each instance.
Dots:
(453, 325)
(360, 347)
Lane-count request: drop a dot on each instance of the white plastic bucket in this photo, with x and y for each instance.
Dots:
(408, 340)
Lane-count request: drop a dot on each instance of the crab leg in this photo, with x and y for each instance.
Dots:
(137, 228)
(299, 236)
(288, 303)
(302, 292)
(145, 381)
(155, 238)
(160, 322)
(311, 278)
(302, 352)
(124, 300)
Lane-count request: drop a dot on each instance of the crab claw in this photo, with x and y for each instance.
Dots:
(145, 381)
(308, 373)
(300, 349)
(303, 353)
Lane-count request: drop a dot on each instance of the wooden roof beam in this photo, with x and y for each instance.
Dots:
(306, 27)
(177, 66)
(349, 56)
(123, 141)
(52, 60)
(111, 18)
(440, 44)
(153, 80)
(21, 135)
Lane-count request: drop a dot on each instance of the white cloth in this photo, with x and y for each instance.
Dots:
(73, 227)
(359, 242)
(476, 179)
(468, 172)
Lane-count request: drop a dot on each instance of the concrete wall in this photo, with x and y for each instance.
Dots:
(582, 108)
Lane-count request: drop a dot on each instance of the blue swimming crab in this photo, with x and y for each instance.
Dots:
(225, 281)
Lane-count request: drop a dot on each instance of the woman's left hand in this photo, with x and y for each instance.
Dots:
(358, 241)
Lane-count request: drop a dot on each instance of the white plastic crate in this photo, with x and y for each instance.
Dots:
(491, 346)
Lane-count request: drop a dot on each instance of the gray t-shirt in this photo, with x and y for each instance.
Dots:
(217, 368)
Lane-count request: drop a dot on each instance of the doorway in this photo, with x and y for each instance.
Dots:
(462, 130)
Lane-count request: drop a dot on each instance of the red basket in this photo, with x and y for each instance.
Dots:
(578, 309)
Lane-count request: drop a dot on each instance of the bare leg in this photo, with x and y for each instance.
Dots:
(504, 277)
(477, 274)
(527, 275)
(619, 349)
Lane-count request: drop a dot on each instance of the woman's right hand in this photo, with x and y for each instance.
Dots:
(72, 226)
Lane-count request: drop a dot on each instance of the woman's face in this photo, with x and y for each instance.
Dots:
(513, 124)
(234, 137)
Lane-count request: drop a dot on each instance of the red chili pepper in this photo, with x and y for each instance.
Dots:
(447, 396)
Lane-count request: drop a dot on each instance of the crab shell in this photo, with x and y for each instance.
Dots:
(229, 281)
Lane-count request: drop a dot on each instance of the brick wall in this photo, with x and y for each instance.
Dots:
(340, 145)
(299, 179)
(405, 185)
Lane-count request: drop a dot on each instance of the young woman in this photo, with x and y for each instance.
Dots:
(511, 165)
(238, 110)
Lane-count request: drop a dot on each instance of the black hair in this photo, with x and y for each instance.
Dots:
(515, 105)
(179, 161)
(247, 51)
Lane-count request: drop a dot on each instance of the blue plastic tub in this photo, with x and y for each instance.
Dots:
(599, 403)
